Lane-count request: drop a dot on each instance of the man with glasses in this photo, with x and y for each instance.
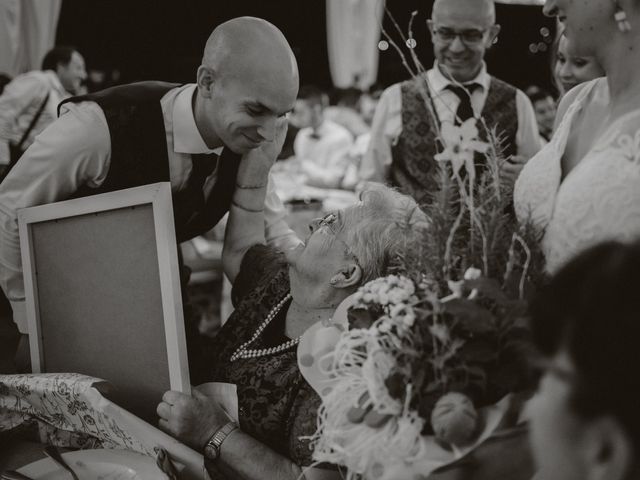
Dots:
(403, 136)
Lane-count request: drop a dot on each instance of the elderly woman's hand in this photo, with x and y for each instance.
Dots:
(192, 419)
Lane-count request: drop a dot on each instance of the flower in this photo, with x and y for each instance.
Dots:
(472, 274)
(440, 331)
(456, 288)
(461, 143)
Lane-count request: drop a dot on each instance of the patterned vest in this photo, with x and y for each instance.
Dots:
(413, 169)
(139, 154)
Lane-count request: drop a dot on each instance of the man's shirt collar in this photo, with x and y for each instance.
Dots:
(186, 137)
(55, 84)
(439, 82)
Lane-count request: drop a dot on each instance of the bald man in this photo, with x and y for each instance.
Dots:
(403, 135)
(191, 136)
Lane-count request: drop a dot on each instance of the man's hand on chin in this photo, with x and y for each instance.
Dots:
(256, 163)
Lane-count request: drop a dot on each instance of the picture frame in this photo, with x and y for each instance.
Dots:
(103, 294)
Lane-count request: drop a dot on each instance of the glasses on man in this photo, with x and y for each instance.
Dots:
(470, 37)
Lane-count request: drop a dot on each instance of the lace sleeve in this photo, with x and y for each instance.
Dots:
(259, 266)
(303, 423)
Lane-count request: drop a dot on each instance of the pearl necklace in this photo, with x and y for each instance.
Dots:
(243, 352)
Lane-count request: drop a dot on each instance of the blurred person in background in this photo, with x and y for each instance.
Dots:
(28, 103)
(545, 107)
(321, 146)
(346, 112)
(367, 107)
(570, 69)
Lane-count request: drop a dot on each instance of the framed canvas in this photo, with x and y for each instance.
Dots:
(102, 292)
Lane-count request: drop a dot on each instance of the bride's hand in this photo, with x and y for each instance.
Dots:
(511, 168)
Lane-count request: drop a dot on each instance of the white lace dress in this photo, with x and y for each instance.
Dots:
(599, 199)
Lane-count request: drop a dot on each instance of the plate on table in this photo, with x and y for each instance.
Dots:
(97, 465)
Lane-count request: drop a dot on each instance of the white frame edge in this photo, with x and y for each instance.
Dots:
(159, 196)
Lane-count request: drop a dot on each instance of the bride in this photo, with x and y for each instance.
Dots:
(584, 186)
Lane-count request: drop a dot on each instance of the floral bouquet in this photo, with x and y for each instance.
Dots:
(418, 367)
(411, 381)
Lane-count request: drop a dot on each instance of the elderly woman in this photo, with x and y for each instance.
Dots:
(585, 419)
(277, 297)
(584, 186)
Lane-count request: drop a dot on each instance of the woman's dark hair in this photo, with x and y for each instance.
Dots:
(591, 310)
(537, 94)
(312, 95)
(349, 97)
(57, 55)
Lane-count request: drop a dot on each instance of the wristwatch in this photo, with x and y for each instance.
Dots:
(212, 447)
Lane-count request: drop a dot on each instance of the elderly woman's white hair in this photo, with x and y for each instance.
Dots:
(384, 227)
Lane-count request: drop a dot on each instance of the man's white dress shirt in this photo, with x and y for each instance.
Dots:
(324, 154)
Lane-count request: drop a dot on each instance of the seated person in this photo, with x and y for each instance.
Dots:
(545, 109)
(321, 145)
(366, 107)
(278, 296)
(585, 419)
(346, 112)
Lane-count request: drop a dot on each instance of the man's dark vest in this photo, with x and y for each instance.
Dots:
(413, 168)
(139, 153)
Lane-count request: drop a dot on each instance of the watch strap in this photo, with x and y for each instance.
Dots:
(212, 447)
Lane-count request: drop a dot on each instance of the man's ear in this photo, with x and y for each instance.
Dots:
(350, 275)
(206, 81)
(60, 67)
(608, 451)
(492, 39)
(430, 25)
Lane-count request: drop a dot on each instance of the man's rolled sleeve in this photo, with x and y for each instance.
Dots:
(277, 232)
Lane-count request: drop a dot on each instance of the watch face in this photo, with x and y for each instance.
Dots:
(211, 452)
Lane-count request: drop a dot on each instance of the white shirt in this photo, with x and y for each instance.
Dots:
(74, 151)
(19, 103)
(387, 121)
(325, 159)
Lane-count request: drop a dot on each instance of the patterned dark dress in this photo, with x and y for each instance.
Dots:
(276, 405)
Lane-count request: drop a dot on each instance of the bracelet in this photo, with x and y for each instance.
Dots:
(250, 187)
(212, 447)
(235, 204)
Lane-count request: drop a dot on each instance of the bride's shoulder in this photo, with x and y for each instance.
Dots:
(622, 139)
(577, 95)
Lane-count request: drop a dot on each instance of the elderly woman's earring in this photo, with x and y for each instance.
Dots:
(621, 18)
